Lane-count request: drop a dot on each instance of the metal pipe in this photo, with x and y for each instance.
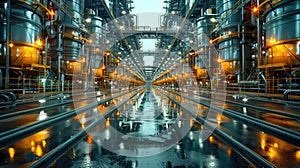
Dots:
(62, 149)
(7, 44)
(243, 44)
(259, 38)
(59, 56)
(243, 150)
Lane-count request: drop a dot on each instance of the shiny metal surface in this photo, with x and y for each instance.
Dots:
(230, 49)
(205, 23)
(96, 25)
(26, 29)
(285, 16)
(283, 33)
(70, 31)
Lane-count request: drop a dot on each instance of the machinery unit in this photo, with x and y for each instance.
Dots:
(25, 34)
(281, 58)
(235, 54)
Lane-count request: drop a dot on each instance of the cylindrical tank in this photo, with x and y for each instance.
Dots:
(234, 42)
(229, 47)
(96, 25)
(25, 36)
(283, 33)
(204, 26)
(70, 30)
(205, 23)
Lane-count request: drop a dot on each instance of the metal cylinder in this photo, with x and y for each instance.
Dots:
(204, 29)
(283, 33)
(283, 22)
(205, 23)
(230, 47)
(25, 34)
(96, 25)
(71, 32)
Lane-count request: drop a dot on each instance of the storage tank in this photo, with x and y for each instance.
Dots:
(229, 47)
(70, 31)
(25, 37)
(282, 29)
(204, 29)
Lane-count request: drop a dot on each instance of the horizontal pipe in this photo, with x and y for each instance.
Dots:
(244, 151)
(288, 135)
(27, 130)
(63, 148)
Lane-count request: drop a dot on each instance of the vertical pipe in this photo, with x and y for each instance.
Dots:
(7, 44)
(243, 43)
(239, 63)
(259, 38)
(59, 56)
(259, 43)
(46, 51)
(243, 53)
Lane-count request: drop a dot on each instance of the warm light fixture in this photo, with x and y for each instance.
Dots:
(213, 20)
(11, 45)
(51, 12)
(272, 40)
(88, 20)
(219, 60)
(255, 9)
(38, 42)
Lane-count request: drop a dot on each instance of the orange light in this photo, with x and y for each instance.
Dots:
(103, 67)
(89, 140)
(11, 152)
(44, 143)
(51, 12)
(211, 41)
(229, 151)
(11, 45)
(107, 53)
(272, 40)
(39, 150)
(39, 42)
(211, 139)
(263, 144)
(219, 60)
(191, 122)
(298, 154)
(107, 123)
(255, 9)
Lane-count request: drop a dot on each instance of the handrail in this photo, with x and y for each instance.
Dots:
(287, 92)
